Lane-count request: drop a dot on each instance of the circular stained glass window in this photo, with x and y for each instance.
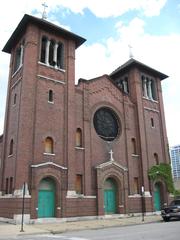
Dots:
(106, 124)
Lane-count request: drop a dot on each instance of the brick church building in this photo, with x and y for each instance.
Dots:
(77, 150)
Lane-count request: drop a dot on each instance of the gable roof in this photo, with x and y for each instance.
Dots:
(134, 63)
(42, 24)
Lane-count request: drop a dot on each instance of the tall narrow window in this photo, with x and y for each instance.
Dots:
(11, 185)
(153, 86)
(7, 186)
(78, 184)
(50, 96)
(144, 87)
(156, 159)
(149, 88)
(123, 84)
(78, 137)
(60, 56)
(49, 145)
(51, 53)
(152, 122)
(43, 49)
(15, 97)
(136, 185)
(11, 147)
(17, 59)
(133, 143)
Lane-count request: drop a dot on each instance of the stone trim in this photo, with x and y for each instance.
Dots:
(73, 194)
(48, 163)
(16, 82)
(50, 79)
(79, 148)
(151, 109)
(112, 162)
(135, 196)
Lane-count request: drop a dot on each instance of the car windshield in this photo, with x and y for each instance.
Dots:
(175, 202)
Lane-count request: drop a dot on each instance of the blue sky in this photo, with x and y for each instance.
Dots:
(151, 27)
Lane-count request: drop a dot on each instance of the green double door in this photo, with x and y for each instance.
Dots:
(110, 197)
(46, 199)
(157, 197)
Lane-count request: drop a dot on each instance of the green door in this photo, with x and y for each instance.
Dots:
(110, 197)
(46, 199)
(157, 199)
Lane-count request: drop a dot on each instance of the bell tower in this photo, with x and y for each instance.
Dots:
(40, 103)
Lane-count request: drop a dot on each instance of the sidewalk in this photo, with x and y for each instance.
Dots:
(10, 230)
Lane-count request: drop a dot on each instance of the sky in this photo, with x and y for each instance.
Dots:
(150, 27)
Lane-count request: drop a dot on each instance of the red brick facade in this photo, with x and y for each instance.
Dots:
(31, 118)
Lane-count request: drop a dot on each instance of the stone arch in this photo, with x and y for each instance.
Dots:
(59, 178)
(119, 175)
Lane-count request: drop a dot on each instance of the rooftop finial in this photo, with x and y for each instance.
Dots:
(44, 14)
(130, 51)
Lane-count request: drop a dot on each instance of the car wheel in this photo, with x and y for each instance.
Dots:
(166, 219)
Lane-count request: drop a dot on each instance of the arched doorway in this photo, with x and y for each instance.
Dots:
(46, 198)
(110, 196)
(157, 196)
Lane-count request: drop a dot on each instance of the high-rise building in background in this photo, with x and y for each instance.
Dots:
(175, 161)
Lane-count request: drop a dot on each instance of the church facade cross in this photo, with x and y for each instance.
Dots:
(111, 155)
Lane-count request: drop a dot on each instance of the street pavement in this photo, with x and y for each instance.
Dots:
(8, 231)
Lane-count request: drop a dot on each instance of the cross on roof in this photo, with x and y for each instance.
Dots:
(130, 51)
(44, 15)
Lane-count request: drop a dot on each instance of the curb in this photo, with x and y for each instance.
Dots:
(54, 232)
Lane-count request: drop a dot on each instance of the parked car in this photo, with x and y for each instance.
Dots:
(171, 211)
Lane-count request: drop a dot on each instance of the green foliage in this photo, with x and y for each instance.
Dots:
(177, 193)
(163, 171)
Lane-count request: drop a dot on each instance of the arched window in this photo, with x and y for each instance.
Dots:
(78, 137)
(133, 143)
(50, 96)
(156, 159)
(11, 147)
(49, 145)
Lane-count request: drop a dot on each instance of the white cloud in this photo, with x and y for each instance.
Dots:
(113, 8)
(153, 7)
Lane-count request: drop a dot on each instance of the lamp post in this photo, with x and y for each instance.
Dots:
(22, 220)
(142, 200)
